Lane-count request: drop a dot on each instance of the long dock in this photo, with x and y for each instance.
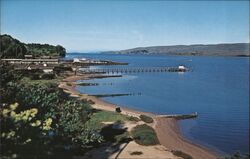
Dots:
(180, 116)
(134, 70)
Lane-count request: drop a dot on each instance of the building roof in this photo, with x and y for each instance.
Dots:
(181, 67)
(28, 55)
(11, 59)
(40, 60)
(32, 60)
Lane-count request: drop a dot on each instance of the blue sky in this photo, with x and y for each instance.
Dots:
(113, 25)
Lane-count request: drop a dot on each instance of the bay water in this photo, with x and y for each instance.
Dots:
(217, 89)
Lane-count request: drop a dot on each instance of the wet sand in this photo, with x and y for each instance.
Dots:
(167, 129)
(169, 135)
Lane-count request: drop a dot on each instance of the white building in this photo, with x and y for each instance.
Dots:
(76, 60)
(83, 59)
(32, 61)
(182, 67)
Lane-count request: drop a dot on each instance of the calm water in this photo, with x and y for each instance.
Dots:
(217, 88)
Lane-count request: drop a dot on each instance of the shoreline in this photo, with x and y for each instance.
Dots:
(167, 129)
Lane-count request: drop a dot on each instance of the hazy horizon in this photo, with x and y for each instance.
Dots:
(93, 26)
(100, 51)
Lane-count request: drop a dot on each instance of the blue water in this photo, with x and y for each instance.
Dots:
(217, 88)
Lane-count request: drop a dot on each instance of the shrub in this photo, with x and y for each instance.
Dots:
(68, 115)
(68, 84)
(47, 76)
(146, 119)
(23, 130)
(118, 109)
(60, 69)
(144, 135)
(136, 153)
(182, 154)
(132, 118)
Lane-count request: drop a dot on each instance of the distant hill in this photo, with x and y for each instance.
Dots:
(237, 49)
(13, 48)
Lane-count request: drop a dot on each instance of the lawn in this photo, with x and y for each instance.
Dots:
(100, 116)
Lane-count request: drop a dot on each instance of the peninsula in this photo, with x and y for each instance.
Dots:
(235, 49)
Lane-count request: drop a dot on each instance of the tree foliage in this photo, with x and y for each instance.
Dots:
(21, 129)
(46, 119)
(13, 48)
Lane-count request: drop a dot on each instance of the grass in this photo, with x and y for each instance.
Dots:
(107, 131)
(146, 119)
(182, 154)
(144, 135)
(100, 116)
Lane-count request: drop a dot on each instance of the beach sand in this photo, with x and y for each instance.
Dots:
(167, 129)
(169, 135)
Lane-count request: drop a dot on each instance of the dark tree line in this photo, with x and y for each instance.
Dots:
(13, 48)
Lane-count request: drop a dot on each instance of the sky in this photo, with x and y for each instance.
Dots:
(85, 26)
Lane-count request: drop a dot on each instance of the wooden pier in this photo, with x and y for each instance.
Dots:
(180, 116)
(134, 70)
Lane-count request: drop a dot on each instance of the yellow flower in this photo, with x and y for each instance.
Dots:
(17, 117)
(33, 112)
(28, 140)
(47, 124)
(49, 121)
(3, 134)
(13, 114)
(11, 134)
(37, 123)
(5, 112)
(14, 155)
(25, 118)
(13, 106)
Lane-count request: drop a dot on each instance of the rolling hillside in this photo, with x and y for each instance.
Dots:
(13, 48)
(237, 49)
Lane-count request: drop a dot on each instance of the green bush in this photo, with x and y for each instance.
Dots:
(47, 76)
(132, 118)
(68, 84)
(69, 116)
(146, 119)
(144, 135)
(182, 154)
(136, 153)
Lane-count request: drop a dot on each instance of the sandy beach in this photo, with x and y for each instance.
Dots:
(167, 129)
(169, 135)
